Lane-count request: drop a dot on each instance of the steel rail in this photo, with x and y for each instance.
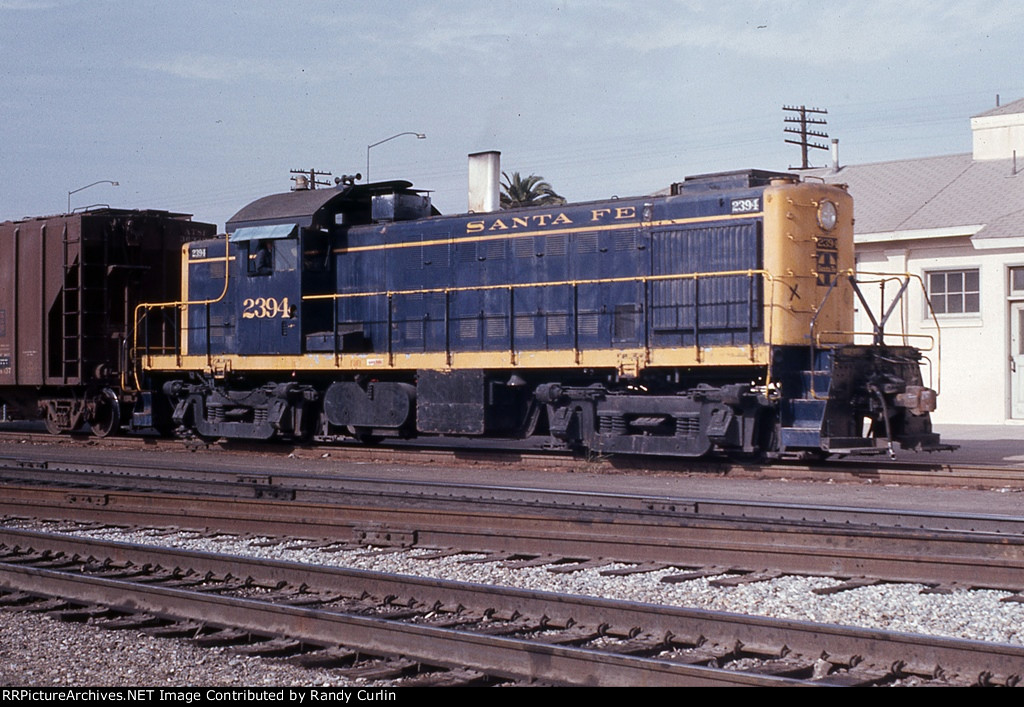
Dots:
(746, 545)
(916, 472)
(501, 656)
(314, 487)
(879, 650)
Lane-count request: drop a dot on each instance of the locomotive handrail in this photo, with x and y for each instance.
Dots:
(547, 283)
(820, 342)
(179, 305)
(144, 309)
(878, 325)
(512, 287)
(767, 306)
(930, 376)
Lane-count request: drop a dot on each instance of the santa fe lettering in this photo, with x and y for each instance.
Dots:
(513, 223)
(616, 214)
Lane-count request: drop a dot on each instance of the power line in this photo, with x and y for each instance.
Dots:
(804, 132)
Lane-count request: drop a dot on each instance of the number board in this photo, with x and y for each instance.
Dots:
(266, 308)
(749, 205)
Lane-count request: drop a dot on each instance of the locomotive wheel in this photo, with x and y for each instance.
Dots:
(364, 435)
(106, 418)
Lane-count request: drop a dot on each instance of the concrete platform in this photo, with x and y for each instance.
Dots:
(984, 444)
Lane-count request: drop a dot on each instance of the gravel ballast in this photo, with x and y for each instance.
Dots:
(37, 650)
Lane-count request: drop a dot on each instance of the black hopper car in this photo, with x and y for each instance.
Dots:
(717, 317)
(69, 285)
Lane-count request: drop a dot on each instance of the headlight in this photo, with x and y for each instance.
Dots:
(827, 215)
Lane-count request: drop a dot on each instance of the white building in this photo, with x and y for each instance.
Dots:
(956, 223)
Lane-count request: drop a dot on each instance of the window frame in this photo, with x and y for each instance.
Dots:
(1012, 291)
(961, 291)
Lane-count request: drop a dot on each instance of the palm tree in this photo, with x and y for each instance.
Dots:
(529, 191)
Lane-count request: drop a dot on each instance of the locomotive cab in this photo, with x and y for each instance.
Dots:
(267, 289)
(259, 309)
(243, 299)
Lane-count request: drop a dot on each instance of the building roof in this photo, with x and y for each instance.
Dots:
(947, 195)
(1009, 109)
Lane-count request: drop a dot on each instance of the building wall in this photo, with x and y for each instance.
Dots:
(998, 137)
(972, 373)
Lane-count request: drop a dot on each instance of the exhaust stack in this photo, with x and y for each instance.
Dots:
(484, 181)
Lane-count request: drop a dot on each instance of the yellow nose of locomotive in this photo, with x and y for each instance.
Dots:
(808, 247)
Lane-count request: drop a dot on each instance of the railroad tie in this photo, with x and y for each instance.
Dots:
(852, 583)
(579, 566)
(712, 571)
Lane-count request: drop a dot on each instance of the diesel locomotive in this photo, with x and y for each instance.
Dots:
(716, 317)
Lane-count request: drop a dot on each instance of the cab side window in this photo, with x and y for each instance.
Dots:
(285, 255)
(261, 258)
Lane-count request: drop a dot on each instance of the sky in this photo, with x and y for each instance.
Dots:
(200, 107)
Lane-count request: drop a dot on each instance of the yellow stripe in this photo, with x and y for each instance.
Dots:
(554, 231)
(620, 359)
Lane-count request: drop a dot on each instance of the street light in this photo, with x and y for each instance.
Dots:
(75, 191)
(419, 136)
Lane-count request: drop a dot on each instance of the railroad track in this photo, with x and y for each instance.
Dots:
(443, 632)
(747, 541)
(297, 483)
(746, 538)
(916, 472)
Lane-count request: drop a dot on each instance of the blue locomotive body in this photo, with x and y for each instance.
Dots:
(716, 317)
(556, 279)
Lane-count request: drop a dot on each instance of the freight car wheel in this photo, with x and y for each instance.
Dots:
(53, 426)
(106, 417)
(64, 415)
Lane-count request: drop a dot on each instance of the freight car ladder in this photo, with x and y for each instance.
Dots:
(86, 277)
(71, 299)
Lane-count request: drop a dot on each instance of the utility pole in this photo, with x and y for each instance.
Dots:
(307, 179)
(805, 134)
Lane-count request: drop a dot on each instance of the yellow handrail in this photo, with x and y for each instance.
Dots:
(182, 304)
(547, 283)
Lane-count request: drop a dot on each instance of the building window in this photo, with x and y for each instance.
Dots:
(954, 292)
(1016, 282)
